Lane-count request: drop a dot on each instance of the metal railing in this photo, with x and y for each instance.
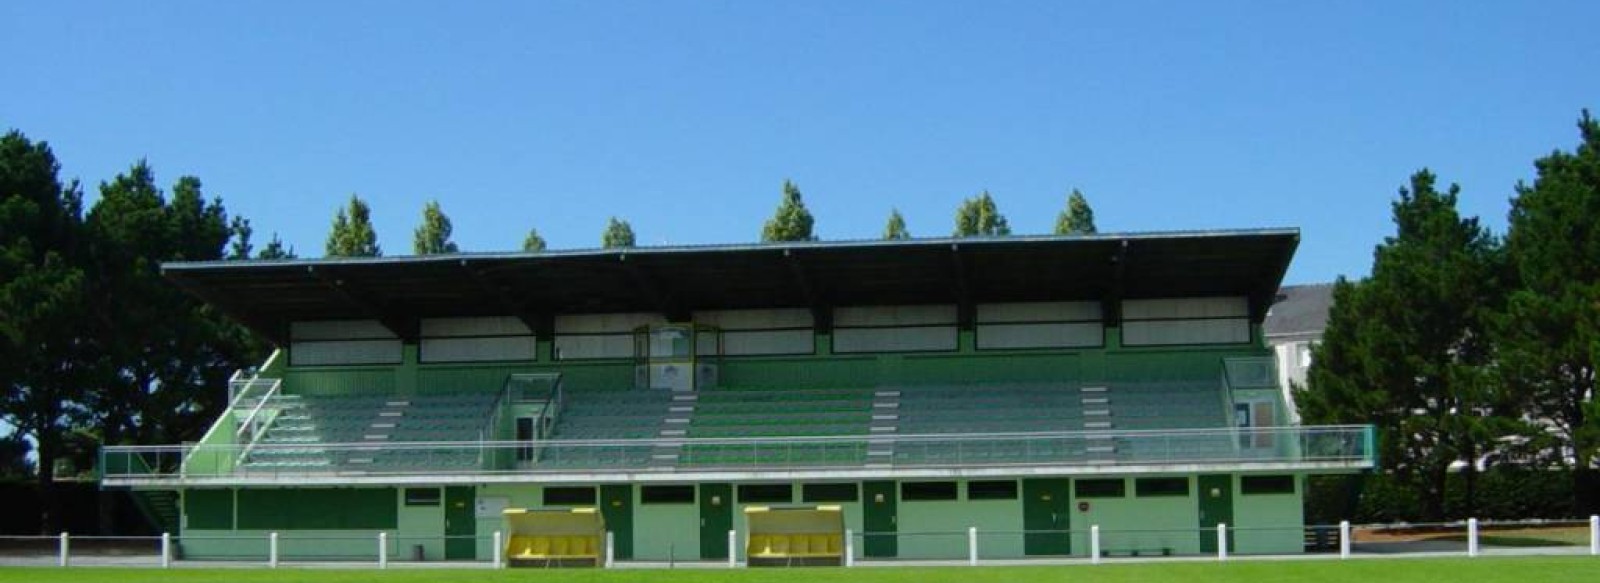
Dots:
(1307, 447)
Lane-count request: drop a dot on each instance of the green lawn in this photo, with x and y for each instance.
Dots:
(1481, 570)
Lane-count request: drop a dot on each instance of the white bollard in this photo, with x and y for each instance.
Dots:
(498, 549)
(66, 552)
(733, 549)
(972, 546)
(1472, 537)
(1344, 539)
(166, 550)
(272, 550)
(383, 550)
(1594, 535)
(611, 548)
(1222, 541)
(849, 548)
(1094, 544)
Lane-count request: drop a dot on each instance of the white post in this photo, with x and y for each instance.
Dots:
(611, 548)
(1472, 537)
(66, 553)
(733, 549)
(972, 546)
(1222, 541)
(383, 550)
(272, 550)
(1594, 535)
(498, 548)
(1094, 544)
(849, 548)
(166, 550)
(1344, 539)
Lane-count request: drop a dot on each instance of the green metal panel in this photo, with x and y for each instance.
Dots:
(716, 519)
(318, 509)
(880, 501)
(1216, 507)
(208, 509)
(1046, 509)
(460, 523)
(616, 505)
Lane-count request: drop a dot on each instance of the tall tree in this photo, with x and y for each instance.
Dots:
(275, 249)
(791, 222)
(240, 247)
(50, 356)
(980, 217)
(352, 234)
(1406, 348)
(1549, 339)
(1077, 218)
(896, 227)
(533, 242)
(433, 235)
(617, 234)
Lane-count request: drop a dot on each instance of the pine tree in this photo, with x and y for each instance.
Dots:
(896, 228)
(432, 237)
(791, 222)
(240, 247)
(1077, 218)
(533, 243)
(980, 217)
(352, 234)
(618, 234)
(275, 249)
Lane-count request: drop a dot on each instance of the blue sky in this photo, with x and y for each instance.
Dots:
(685, 117)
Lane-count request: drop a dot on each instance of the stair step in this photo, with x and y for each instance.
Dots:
(1092, 389)
(1096, 400)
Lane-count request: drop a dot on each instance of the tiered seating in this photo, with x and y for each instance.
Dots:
(778, 413)
(1170, 405)
(605, 415)
(298, 434)
(1015, 408)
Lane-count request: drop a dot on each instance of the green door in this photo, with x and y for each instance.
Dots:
(1216, 507)
(1046, 515)
(716, 519)
(616, 506)
(460, 524)
(879, 518)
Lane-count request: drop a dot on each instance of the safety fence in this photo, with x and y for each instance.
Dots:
(961, 546)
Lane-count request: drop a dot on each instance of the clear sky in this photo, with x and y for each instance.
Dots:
(685, 117)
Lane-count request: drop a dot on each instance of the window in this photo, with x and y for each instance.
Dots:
(779, 493)
(829, 493)
(992, 490)
(1149, 487)
(422, 496)
(1100, 488)
(1250, 485)
(666, 495)
(927, 491)
(525, 434)
(580, 496)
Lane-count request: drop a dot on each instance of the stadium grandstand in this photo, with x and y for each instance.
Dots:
(790, 393)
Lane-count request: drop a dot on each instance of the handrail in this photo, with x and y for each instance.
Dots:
(271, 390)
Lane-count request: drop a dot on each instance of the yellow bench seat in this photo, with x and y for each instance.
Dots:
(553, 547)
(796, 546)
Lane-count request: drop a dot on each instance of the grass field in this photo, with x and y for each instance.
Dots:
(1480, 570)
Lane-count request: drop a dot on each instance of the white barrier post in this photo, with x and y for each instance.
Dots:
(849, 548)
(733, 549)
(272, 550)
(1594, 535)
(611, 548)
(66, 552)
(383, 550)
(972, 546)
(166, 550)
(1222, 541)
(498, 549)
(1344, 539)
(1094, 544)
(1472, 537)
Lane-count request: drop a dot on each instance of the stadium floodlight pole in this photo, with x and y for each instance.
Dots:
(497, 550)
(1472, 537)
(733, 549)
(65, 549)
(1222, 541)
(1344, 539)
(972, 546)
(166, 550)
(849, 548)
(383, 550)
(272, 550)
(1094, 544)
(1594, 535)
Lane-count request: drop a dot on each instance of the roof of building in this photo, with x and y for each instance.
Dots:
(676, 280)
(1301, 310)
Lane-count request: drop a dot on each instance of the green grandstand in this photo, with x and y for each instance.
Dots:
(639, 404)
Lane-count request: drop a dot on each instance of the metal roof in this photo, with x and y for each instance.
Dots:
(676, 280)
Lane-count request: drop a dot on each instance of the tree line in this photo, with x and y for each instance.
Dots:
(1469, 349)
(352, 233)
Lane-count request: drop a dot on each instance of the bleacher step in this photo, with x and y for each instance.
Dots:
(1092, 389)
(1096, 400)
(1097, 425)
